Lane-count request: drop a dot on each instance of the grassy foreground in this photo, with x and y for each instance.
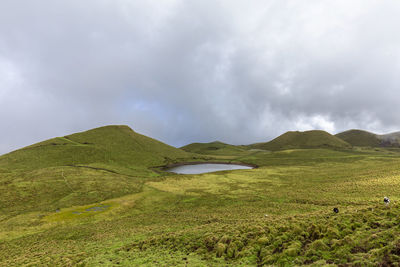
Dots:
(84, 201)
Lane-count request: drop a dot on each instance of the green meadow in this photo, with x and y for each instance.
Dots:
(102, 198)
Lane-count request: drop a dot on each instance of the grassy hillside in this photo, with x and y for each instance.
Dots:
(367, 139)
(80, 168)
(109, 211)
(111, 145)
(214, 148)
(360, 138)
(308, 139)
(390, 140)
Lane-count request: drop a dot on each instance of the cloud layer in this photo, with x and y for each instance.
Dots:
(185, 71)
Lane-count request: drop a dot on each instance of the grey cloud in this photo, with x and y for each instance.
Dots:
(185, 71)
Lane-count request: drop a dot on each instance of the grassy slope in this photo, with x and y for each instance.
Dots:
(214, 148)
(308, 139)
(367, 139)
(112, 160)
(111, 145)
(359, 138)
(390, 140)
(220, 218)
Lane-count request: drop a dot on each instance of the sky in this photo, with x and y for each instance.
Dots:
(185, 71)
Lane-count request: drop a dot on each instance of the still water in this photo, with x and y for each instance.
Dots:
(206, 167)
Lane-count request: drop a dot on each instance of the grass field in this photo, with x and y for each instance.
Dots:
(89, 202)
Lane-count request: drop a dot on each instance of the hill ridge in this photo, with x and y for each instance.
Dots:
(215, 148)
(357, 137)
(111, 143)
(305, 139)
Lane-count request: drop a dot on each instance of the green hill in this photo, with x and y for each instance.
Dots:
(390, 140)
(81, 168)
(359, 138)
(307, 139)
(111, 145)
(368, 139)
(213, 148)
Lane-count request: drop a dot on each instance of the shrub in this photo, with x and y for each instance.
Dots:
(225, 239)
(332, 232)
(221, 248)
(294, 249)
(210, 242)
(232, 251)
(263, 240)
(318, 245)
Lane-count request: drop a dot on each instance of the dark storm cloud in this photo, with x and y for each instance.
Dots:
(185, 71)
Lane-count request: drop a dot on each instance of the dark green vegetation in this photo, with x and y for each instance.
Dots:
(96, 198)
(360, 138)
(214, 148)
(367, 139)
(308, 139)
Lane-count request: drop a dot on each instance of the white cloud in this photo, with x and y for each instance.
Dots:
(184, 71)
(316, 122)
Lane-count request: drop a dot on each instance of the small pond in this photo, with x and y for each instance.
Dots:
(206, 167)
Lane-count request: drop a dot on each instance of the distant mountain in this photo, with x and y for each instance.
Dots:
(368, 139)
(307, 139)
(213, 148)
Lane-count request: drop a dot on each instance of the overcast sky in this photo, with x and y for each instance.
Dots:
(197, 70)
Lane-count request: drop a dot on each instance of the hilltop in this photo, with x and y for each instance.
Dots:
(300, 140)
(368, 139)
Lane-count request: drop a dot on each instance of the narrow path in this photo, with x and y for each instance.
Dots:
(66, 182)
(101, 169)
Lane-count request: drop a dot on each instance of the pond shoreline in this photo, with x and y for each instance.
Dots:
(173, 165)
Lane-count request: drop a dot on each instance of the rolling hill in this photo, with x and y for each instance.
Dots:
(114, 145)
(93, 199)
(368, 139)
(390, 140)
(300, 140)
(213, 148)
(359, 138)
(81, 168)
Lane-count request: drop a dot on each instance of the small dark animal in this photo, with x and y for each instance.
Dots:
(386, 200)
(335, 210)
